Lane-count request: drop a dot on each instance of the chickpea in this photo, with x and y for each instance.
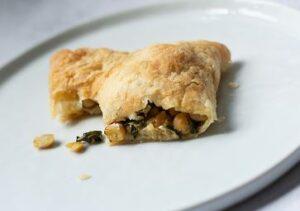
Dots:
(115, 132)
(91, 106)
(182, 123)
(198, 117)
(87, 103)
(160, 119)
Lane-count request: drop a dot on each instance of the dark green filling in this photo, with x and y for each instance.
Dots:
(133, 126)
(92, 137)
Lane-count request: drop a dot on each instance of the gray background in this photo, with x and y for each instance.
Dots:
(23, 23)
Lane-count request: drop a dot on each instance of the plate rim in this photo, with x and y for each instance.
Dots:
(222, 201)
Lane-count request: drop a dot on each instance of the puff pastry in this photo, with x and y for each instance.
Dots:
(75, 79)
(158, 93)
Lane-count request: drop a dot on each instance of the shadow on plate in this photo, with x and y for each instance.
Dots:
(227, 100)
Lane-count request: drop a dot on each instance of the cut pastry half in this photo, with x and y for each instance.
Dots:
(163, 92)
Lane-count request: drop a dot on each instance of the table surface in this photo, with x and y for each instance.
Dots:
(25, 23)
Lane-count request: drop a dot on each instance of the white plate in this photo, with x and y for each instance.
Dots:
(256, 143)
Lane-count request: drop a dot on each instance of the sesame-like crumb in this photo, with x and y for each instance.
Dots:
(84, 177)
(233, 85)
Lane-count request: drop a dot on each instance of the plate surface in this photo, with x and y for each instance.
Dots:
(233, 159)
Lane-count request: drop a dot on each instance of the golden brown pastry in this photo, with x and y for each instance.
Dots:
(161, 92)
(75, 79)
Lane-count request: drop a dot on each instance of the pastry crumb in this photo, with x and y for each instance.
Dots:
(233, 85)
(76, 146)
(221, 119)
(45, 141)
(84, 177)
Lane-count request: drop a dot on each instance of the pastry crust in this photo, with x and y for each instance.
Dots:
(78, 75)
(182, 77)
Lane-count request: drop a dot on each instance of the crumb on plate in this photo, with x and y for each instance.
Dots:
(76, 146)
(84, 177)
(45, 141)
(233, 85)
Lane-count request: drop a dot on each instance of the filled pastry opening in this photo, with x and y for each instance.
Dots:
(182, 124)
(90, 106)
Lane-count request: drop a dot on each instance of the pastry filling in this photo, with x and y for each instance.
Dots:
(183, 124)
(90, 106)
